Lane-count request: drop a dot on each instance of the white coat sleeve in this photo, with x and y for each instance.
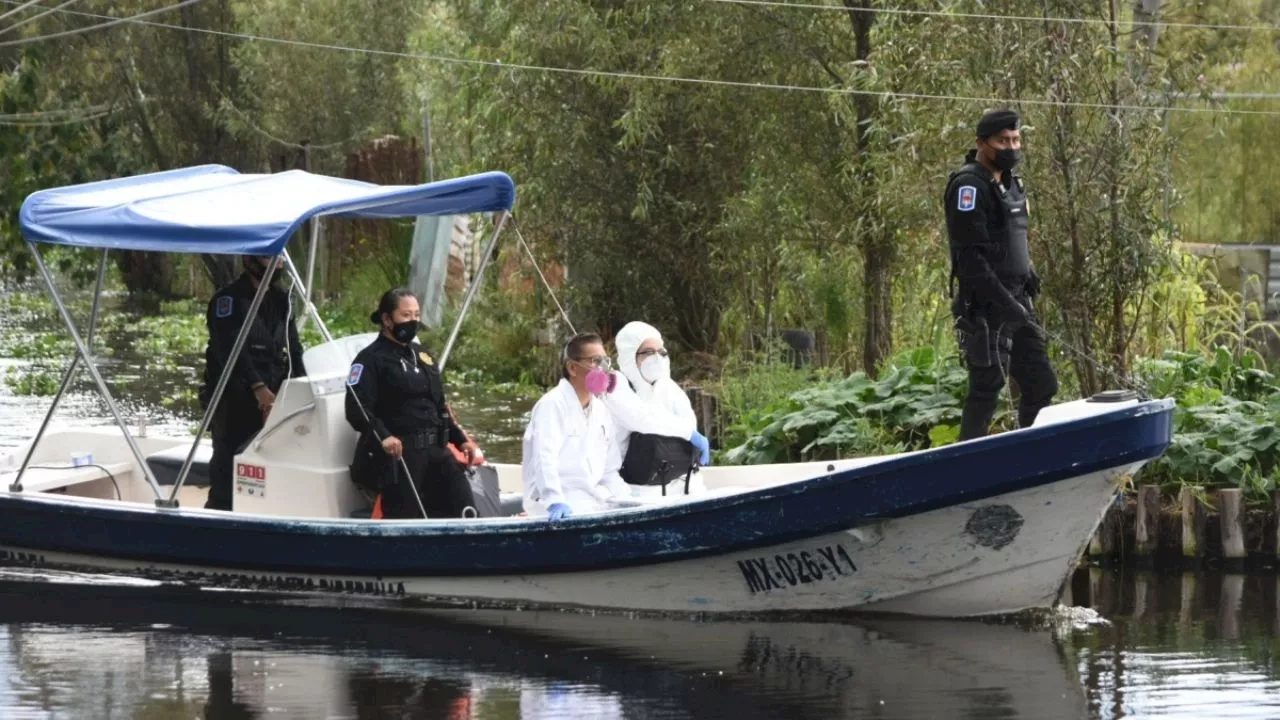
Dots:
(635, 415)
(548, 439)
(612, 479)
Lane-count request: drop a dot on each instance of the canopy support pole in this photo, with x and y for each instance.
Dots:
(66, 376)
(309, 308)
(471, 291)
(317, 235)
(227, 370)
(83, 351)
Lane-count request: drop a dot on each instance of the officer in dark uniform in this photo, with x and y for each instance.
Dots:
(395, 391)
(271, 353)
(998, 331)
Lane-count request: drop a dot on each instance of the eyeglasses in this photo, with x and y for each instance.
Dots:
(651, 352)
(600, 361)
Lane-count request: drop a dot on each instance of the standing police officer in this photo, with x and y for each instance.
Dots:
(986, 210)
(271, 353)
(396, 395)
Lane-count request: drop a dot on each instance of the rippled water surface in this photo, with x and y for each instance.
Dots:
(76, 646)
(90, 646)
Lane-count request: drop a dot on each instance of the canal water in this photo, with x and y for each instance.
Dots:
(83, 646)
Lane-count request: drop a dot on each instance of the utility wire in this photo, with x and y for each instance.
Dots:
(41, 114)
(20, 8)
(983, 16)
(34, 18)
(58, 122)
(100, 26)
(584, 72)
(52, 123)
(297, 146)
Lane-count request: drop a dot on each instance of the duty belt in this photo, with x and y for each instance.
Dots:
(423, 439)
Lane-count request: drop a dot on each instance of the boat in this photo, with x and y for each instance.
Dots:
(987, 526)
(305, 657)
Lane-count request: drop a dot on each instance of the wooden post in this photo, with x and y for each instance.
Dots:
(1147, 527)
(705, 409)
(1192, 523)
(1113, 529)
(1102, 547)
(1232, 526)
(1095, 543)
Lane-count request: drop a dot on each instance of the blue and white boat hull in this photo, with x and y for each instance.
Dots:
(989, 526)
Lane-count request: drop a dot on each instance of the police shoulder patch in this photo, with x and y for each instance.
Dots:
(966, 198)
(426, 359)
(225, 304)
(356, 371)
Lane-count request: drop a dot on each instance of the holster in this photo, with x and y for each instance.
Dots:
(981, 347)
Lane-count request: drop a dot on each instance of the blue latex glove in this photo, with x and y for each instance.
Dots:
(700, 441)
(558, 511)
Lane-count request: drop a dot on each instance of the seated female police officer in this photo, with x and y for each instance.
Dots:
(395, 391)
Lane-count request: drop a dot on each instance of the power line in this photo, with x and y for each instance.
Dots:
(4, 121)
(984, 16)
(583, 72)
(40, 114)
(297, 146)
(34, 18)
(20, 8)
(100, 26)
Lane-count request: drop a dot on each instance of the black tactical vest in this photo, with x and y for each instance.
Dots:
(1006, 226)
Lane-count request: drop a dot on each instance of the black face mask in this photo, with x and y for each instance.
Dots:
(405, 331)
(1007, 159)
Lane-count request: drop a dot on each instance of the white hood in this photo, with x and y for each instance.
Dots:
(629, 339)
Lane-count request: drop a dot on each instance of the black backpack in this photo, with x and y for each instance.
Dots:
(657, 460)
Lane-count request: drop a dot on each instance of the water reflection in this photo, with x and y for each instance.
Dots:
(167, 652)
(1180, 645)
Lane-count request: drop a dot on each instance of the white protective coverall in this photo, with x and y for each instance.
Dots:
(657, 407)
(569, 456)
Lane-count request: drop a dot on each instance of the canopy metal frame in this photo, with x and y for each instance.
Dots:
(83, 351)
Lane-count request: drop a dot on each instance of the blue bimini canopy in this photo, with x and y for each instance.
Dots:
(217, 210)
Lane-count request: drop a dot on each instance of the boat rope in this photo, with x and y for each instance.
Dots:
(529, 252)
(1129, 382)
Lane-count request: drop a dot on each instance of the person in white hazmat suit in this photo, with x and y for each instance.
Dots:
(569, 459)
(647, 401)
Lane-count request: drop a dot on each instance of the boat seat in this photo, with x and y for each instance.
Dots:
(512, 504)
(42, 478)
(166, 465)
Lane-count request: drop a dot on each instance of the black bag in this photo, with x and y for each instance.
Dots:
(657, 460)
(485, 494)
(372, 469)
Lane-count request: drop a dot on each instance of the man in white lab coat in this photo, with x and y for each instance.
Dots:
(647, 401)
(569, 459)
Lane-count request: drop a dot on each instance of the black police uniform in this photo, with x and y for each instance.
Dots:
(996, 323)
(400, 388)
(272, 352)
